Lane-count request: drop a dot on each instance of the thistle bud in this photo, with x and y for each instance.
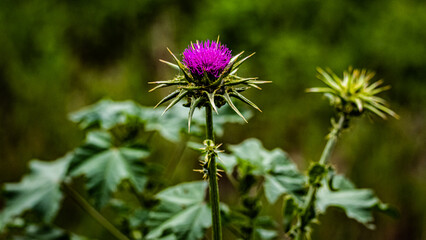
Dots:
(354, 95)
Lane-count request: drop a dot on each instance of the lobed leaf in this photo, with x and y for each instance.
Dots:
(39, 191)
(182, 213)
(358, 204)
(106, 114)
(280, 173)
(106, 166)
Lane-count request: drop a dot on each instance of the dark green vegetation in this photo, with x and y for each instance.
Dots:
(56, 57)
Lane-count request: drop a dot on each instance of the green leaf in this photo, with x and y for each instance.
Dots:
(106, 114)
(184, 194)
(358, 204)
(280, 173)
(227, 162)
(170, 126)
(182, 212)
(38, 191)
(106, 166)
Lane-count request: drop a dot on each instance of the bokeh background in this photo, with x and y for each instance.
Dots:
(58, 56)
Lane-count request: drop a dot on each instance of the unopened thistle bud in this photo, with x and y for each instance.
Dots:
(354, 95)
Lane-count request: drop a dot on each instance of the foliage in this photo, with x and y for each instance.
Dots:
(181, 212)
(279, 172)
(113, 161)
(358, 204)
(39, 191)
(106, 165)
(59, 55)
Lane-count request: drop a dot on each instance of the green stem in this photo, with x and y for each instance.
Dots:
(94, 213)
(214, 188)
(325, 157)
(178, 154)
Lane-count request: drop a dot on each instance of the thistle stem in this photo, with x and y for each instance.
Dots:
(325, 157)
(94, 213)
(214, 188)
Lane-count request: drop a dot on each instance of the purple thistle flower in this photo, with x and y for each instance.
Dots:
(207, 77)
(209, 56)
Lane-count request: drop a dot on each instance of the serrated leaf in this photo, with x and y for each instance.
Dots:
(280, 173)
(106, 114)
(38, 191)
(182, 212)
(106, 166)
(358, 204)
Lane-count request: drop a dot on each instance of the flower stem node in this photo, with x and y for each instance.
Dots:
(208, 76)
(353, 95)
(210, 150)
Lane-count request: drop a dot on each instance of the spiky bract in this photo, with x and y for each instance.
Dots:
(354, 95)
(208, 76)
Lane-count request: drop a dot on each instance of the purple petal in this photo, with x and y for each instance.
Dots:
(209, 56)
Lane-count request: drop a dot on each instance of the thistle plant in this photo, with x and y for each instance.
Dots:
(114, 159)
(208, 78)
(351, 96)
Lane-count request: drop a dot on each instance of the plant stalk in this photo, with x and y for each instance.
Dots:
(214, 188)
(94, 213)
(325, 157)
(178, 154)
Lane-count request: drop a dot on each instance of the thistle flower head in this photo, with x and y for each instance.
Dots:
(208, 77)
(207, 57)
(354, 95)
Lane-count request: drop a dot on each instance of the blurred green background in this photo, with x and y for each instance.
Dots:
(58, 56)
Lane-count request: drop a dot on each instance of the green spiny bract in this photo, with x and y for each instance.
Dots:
(354, 95)
(211, 88)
